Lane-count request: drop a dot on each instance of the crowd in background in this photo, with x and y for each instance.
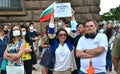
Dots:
(19, 45)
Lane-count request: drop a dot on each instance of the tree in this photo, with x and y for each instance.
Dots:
(114, 13)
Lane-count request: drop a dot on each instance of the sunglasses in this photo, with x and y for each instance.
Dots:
(60, 35)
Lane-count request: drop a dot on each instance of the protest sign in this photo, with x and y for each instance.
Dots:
(62, 10)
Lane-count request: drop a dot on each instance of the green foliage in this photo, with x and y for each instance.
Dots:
(114, 13)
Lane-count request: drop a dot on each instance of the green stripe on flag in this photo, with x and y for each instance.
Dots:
(46, 12)
(45, 18)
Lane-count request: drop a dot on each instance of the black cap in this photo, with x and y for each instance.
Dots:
(22, 26)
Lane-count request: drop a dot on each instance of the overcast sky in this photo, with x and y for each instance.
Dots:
(108, 4)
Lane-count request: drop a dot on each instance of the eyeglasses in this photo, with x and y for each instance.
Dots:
(60, 35)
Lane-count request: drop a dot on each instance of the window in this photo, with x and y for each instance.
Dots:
(12, 7)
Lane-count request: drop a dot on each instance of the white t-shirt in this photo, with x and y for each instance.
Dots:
(62, 56)
(67, 29)
(98, 62)
(101, 31)
(111, 41)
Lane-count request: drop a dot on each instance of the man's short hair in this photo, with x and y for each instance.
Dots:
(108, 23)
(64, 20)
(92, 21)
(83, 24)
(31, 23)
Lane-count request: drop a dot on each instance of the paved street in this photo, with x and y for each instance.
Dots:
(38, 67)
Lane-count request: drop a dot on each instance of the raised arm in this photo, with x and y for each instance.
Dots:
(51, 30)
(73, 24)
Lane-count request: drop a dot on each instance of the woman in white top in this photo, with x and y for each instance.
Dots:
(61, 44)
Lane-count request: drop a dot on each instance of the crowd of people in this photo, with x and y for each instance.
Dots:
(18, 46)
(92, 46)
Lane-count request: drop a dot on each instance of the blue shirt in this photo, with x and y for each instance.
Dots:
(3, 45)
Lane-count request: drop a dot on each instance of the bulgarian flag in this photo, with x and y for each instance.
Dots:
(46, 14)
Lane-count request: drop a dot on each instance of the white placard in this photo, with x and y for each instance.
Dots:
(62, 10)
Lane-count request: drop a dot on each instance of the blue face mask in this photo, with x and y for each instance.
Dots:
(59, 24)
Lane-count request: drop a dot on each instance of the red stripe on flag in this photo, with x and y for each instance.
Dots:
(45, 18)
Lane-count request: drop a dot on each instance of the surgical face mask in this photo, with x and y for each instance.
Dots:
(59, 24)
(23, 33)
(6, 31)
(31, 28)
(16, 33)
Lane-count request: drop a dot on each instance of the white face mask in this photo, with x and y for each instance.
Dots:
(31, 28)
(16, 33)
(23, 33)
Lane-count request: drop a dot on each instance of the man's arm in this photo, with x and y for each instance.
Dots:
(103, 46)
(83, 54)
(115, 63)
(96, 51)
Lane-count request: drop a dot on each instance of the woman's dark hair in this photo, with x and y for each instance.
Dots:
(27, 39)
(24, 26)
(59, 30)
(46, 28)
(101, 26)
(11, 37)
(109, 33)
(108, 23)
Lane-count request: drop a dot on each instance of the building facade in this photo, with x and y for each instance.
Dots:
(19, 11)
